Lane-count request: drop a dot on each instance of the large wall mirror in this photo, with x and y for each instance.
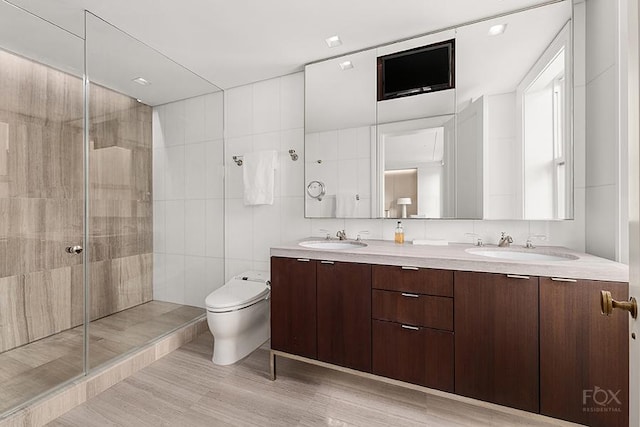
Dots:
(495, 143)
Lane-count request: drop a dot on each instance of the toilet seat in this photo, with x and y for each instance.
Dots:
(240, 292)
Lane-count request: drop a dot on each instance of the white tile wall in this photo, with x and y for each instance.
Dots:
(602, 139)
(267, 115)
(188, 179)
(602, 130)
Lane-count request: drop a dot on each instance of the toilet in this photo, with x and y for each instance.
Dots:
(238, 316)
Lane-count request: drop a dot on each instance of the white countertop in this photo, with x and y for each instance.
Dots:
(455, 257)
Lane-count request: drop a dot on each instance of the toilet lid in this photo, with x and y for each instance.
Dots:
(237, 293)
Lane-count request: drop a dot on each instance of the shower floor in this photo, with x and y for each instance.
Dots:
(27, 371)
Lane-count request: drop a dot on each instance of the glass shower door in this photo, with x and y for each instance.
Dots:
(132, 86)
(41, 207)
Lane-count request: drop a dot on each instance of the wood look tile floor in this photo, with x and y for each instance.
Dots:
(34, 368)
(186, 389)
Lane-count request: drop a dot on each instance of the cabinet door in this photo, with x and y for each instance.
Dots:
(413, 354)
(293, 306)
(344, 314)
(496, 339)
(582, 351)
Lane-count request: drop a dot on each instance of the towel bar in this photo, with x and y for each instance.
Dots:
(239, 161)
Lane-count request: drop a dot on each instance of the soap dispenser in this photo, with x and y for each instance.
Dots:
(399, 233)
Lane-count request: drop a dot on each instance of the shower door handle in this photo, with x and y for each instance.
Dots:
(74, 249)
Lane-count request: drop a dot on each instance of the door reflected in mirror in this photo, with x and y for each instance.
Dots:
(417, 158)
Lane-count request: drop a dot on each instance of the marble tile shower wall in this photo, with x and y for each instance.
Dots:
(270, 115)
(188, 202)
(41, 199)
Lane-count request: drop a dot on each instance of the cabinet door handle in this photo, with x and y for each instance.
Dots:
(326, 262)
(303, 259)
(404, 267)
(560, 279)
(515, 276)
(404, 294)
(413, 328)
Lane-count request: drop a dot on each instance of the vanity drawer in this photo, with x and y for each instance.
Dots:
(417, 355)
(413, 309)
(415, 280)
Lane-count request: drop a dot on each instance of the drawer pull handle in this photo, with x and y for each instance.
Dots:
(413, 328)
(404, 294)
(515, 276)
(303, 259)
(326, 262)
(559, 279)
(404, 267)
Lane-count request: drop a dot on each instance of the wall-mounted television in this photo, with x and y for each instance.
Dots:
(421, 70)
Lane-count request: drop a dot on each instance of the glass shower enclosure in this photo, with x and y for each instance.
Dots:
(76, 205)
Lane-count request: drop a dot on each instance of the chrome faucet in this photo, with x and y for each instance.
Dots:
(341, 235)
(505, 240)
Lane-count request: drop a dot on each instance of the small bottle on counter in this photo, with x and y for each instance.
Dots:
(399, 233)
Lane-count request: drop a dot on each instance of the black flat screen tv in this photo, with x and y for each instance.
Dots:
(421, 70)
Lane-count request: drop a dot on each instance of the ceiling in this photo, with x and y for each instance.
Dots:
(235, 42)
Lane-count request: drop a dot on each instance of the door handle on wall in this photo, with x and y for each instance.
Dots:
(75, 250)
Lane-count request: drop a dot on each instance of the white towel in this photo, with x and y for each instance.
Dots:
(258, 175)
(346, 205)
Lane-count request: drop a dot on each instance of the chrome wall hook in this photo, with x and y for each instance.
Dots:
(293, 155)
(238, 160)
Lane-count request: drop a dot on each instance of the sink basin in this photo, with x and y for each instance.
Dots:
(522, 254)
(333, 244)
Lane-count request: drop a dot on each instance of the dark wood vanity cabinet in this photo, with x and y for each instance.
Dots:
(293, 306)
(496, 339)
(413, 325)
(584, 355)
(536, 344)
(344, 314)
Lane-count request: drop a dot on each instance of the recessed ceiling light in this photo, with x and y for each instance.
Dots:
(333, 41)
(138, 99)
(497, 29)
(142, 81)
(346, 65)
